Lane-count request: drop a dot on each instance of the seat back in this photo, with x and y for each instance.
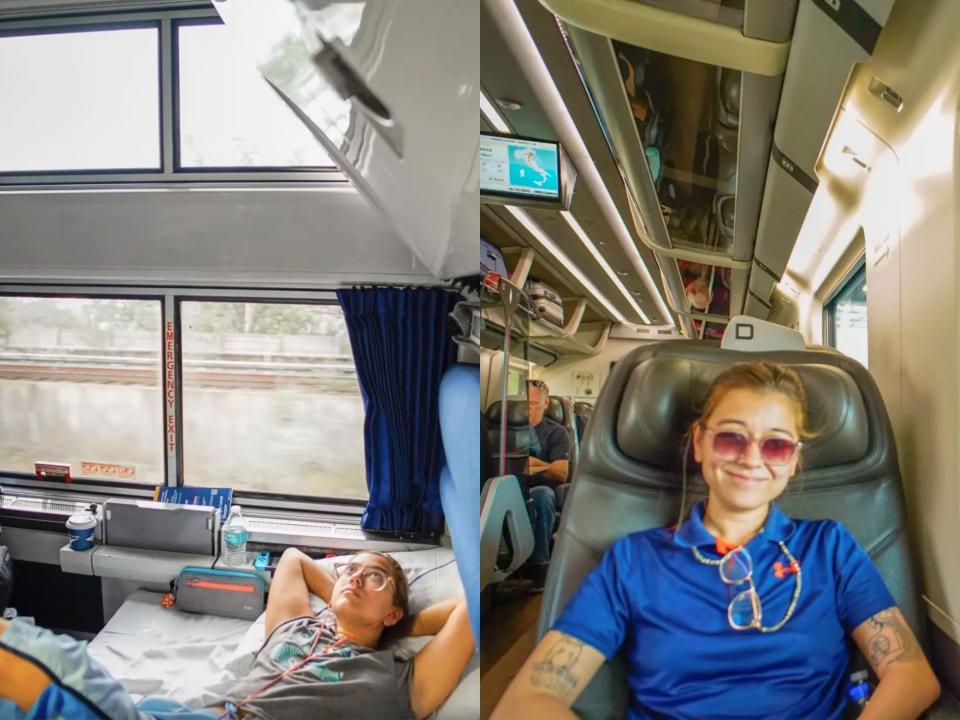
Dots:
(6, 577)
(517, 441)
(503, 512)
(560, 411)
(460, 430)
(629, 475)
(503, 509)
(488, 464)
(554, 410)
(582, 412)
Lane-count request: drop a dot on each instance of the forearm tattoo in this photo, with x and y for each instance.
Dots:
(890, 640)
(555, 672)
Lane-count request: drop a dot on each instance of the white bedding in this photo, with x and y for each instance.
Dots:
(193, 658)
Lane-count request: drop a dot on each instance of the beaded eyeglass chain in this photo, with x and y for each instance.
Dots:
(798, 584)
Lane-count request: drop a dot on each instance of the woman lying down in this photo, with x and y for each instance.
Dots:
(327, 665)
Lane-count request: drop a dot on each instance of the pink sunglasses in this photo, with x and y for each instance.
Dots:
(730, 445)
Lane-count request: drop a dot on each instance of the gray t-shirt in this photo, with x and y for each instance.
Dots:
(349, 681)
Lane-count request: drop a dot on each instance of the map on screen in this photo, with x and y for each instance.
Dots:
(517, 167)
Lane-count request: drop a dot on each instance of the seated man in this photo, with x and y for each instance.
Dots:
(548, 466)
(327, 665)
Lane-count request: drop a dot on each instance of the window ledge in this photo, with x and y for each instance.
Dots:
(333, 533)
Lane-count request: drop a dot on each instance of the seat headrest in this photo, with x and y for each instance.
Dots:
(517, 414)
(664, 394)
(555, 411)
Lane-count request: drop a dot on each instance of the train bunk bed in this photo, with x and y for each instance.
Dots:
(153, 650)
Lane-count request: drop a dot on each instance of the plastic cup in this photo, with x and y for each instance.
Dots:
(80, 528)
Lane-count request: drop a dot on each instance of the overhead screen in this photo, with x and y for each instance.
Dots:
(523, 171)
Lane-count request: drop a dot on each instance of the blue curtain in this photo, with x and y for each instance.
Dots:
(402, 348)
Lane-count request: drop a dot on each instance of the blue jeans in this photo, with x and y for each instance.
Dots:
(542, 509)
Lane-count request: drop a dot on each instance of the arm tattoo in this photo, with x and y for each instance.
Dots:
(891, 640)
(555, 672)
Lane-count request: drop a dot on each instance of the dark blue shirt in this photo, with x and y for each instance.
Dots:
(549, 441)
(653, 597)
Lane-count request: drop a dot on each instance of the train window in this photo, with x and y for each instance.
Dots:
(846, 318)
(270, 399)
(80, 100)
(229, 116)
(107, 99)
(80, 383)
(516, 387)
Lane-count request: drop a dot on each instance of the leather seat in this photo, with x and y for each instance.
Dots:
(506, 535)
(517, 441)
(6, 577)
(582, 412)
(629, 475)
(561, 412)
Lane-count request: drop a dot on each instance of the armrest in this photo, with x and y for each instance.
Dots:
(503, 507)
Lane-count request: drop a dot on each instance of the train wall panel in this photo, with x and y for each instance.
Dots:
(250, 237)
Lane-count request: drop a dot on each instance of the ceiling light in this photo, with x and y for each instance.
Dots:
(515, 32)
(585, 239)
(492, 115)
(524, 219)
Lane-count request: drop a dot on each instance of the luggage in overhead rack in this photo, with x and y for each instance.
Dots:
(492, 265)
(547, 302)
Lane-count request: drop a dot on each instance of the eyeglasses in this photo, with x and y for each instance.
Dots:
(373, 578)
(745, 610)
(730, 445)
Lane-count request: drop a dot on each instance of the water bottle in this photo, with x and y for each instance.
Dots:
(859, 692)
(235, 535)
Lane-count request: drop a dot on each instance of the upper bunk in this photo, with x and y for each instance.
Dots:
(237, 143)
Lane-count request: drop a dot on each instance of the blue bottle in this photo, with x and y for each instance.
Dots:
(859, 692)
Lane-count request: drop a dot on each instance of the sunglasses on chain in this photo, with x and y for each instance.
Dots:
(730, 445)
(745, 611)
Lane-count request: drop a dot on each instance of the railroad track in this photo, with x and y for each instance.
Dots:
(196, 377)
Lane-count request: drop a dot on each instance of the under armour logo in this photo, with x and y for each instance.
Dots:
(780, 571)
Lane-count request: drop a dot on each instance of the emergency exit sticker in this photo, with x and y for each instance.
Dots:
(57, 472)
(114, 471)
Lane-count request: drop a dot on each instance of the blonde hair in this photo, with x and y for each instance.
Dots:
(760, 377)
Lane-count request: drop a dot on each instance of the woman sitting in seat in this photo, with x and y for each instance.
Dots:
(739, 611)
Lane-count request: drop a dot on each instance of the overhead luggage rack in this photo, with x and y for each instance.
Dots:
(695, 98)
(747, 35)
(574, 337)
(674, 123)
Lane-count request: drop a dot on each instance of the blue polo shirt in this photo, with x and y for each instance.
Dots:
(653, 597)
